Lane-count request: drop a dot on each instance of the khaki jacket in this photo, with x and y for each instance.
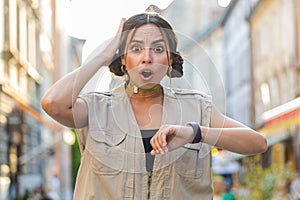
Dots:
(113, 156)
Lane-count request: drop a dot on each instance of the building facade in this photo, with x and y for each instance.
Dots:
(274, 68)
(23, 127)
(201, 45)
(33, 46)
(237, 44)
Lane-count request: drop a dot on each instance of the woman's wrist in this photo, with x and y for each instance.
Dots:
(197, 132)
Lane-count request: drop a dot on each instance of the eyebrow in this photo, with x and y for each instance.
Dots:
(154, 42)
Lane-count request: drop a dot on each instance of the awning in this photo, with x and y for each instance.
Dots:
(278, 138)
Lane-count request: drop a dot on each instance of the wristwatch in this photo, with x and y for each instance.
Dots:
(197, 131)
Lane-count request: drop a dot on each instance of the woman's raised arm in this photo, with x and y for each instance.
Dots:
(61, 101)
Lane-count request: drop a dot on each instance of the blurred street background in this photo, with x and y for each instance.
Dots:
(248, 52)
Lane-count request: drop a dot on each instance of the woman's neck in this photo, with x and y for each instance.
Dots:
(153, 92)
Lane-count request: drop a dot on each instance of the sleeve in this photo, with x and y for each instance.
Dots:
(206, 109)
(82, 134)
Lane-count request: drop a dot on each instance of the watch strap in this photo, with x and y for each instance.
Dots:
(197, 131)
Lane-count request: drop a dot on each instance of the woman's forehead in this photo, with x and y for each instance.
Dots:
(147, 32)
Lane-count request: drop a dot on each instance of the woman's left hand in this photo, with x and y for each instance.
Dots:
(171, 137)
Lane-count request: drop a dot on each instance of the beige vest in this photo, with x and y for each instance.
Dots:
(113, 156)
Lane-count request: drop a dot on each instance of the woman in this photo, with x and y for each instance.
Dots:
(143, 140)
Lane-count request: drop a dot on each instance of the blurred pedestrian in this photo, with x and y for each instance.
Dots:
(40, 193)
(54, 187)
(27, 195)
(227, 194)
(218, 185)
(144, 140)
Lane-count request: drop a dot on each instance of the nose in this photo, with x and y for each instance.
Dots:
(147, 57)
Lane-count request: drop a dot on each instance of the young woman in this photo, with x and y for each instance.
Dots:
(143, 140)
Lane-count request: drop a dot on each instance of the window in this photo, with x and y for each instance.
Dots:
(13, 74)
(1, 27)
(23, 32)
(23, 81)
(13, 25)
(265, 94)
(32, 41)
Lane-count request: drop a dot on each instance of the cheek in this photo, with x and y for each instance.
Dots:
(162, 60)
(131, 62)
(162, 69)
(162, 66)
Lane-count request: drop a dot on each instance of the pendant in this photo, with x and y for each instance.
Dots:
(135, 89)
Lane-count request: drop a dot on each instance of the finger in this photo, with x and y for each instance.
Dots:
(153, 143)
(162, 143)
(162, 139)
(168, 132)
(121, 25)
(156, 145)
(153, 152)
(165, 131)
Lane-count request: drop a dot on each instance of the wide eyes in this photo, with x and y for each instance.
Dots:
(138, 48)
(158, 49)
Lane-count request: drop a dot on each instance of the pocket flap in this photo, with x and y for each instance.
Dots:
(109, 137)
(195, 146)
(204, 149)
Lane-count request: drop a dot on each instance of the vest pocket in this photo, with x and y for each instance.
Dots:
(190, 164)
(108, 137)
(105, 167)
(107, 149)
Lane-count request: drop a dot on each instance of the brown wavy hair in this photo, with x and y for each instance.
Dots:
(167, 30)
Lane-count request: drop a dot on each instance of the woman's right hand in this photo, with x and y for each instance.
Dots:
(61, 101)
(113, 46)
(107, 51)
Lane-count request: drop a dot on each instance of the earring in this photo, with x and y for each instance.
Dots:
(126, 75)
(117, 52)
(123, 69)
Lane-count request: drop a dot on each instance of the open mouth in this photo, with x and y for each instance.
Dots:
(146, 74)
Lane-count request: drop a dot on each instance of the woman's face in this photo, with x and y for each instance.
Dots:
(145, 57)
